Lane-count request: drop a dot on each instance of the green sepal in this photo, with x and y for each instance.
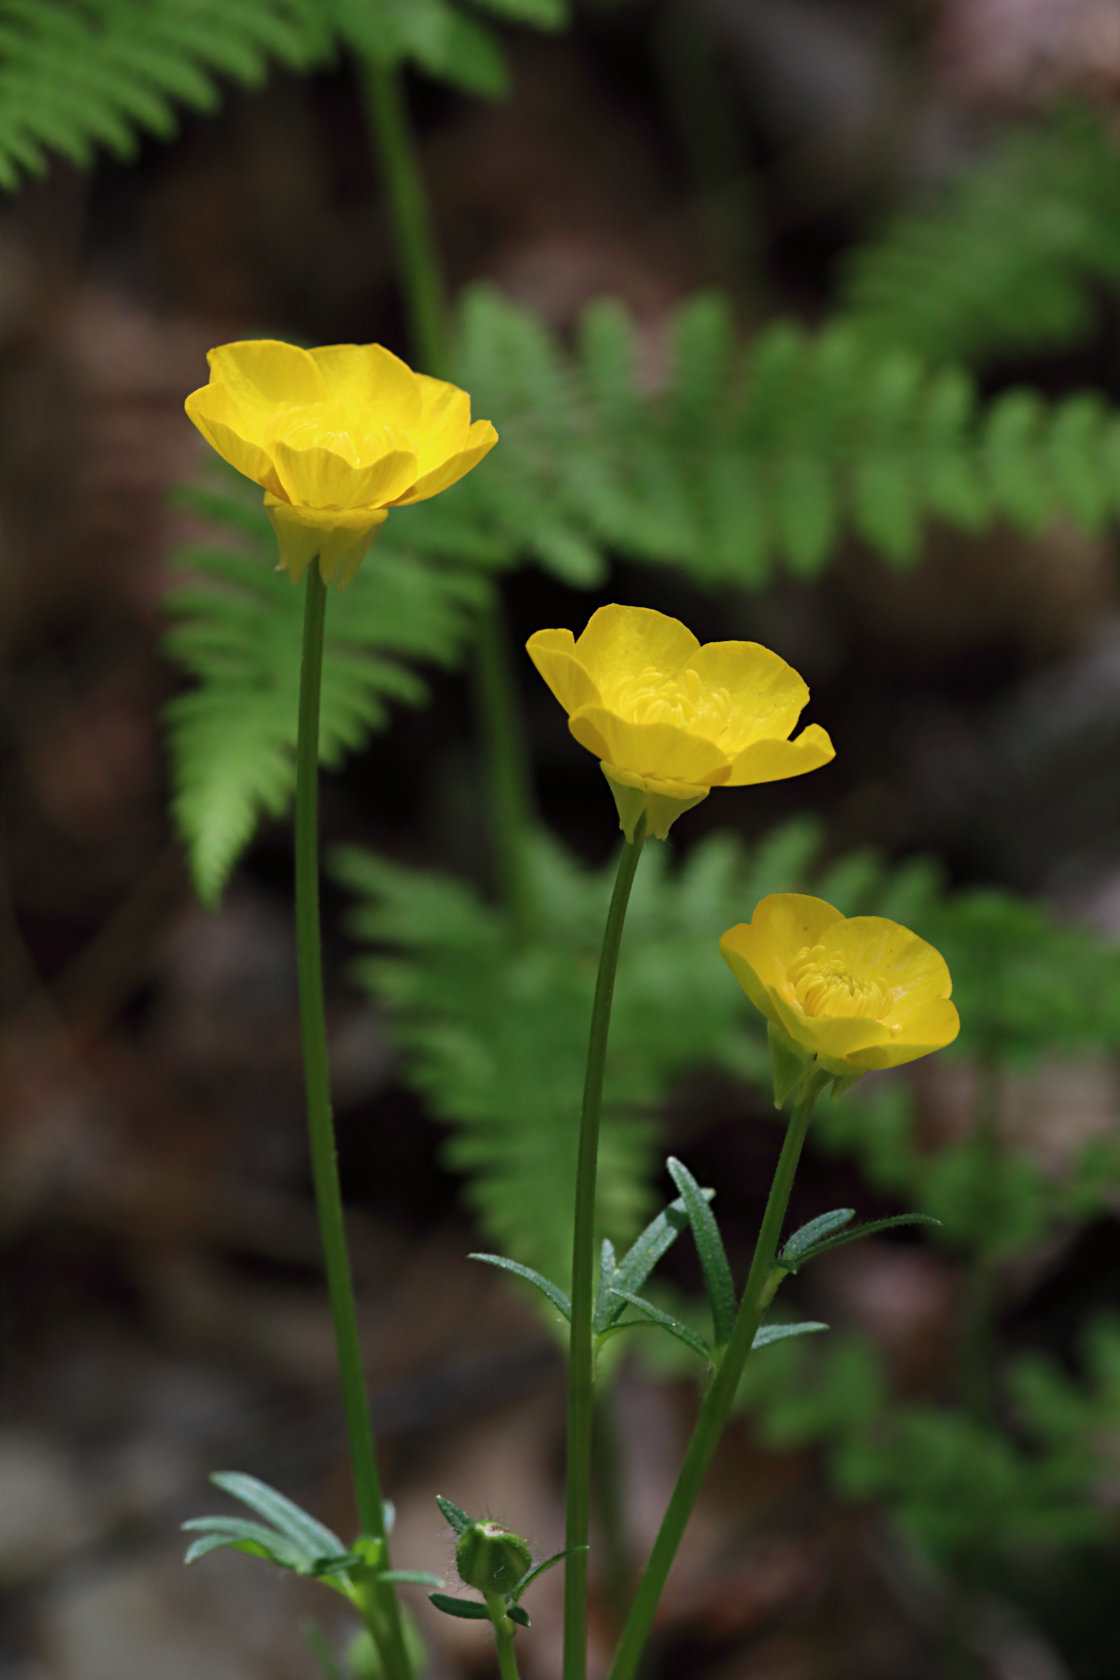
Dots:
(550, 1290)
(639, 1260)
(517, 1613)
(709, 1246)
(837, 1238)
(768, 1333)
(654, 1315)
(541, 1569)
(789, 1063)
(467, 1609)
(456, 1517)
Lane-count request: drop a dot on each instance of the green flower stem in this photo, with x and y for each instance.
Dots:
(384, 1617)
(507, 774)
(417, 256)
(716, 1406)
(422, 286)
(580, 1360)
(503, 1636)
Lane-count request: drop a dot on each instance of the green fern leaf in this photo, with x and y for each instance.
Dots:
(236, 632)
(1013, 255)
(79, 74)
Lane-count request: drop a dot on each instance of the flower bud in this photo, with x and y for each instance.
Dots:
(492, 1559)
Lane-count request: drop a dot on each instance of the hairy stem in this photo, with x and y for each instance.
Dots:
(580, 1372)
(716, 1406)
(384, 1617)
(503, 1636)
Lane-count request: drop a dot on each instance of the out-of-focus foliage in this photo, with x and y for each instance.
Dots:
(236, 630)
(1013, 256)
(495, 1034)
(80, 75)
(745, 457)
(977, 1492)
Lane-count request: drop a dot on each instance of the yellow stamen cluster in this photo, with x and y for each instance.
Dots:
(824, 984)
(685, 701)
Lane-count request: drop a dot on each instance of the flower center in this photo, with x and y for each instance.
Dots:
(823, 983)
(685, 701)
(331, 426)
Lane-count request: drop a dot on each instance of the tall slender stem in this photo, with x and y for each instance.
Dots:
(424, 292)
(421, 271)
(716, 1406)
(384, 1619)
(580, 1373)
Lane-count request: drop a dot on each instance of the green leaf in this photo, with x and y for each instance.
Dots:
(709, 1247)
(811, 1251)
(410, 1577)
(456, 1516)
(312, 1536)
(768, 1333)
(542, 1569)
(654, 1315)
(640, 1259)
(467, 1609)
(559, 1299)
(803, 1239)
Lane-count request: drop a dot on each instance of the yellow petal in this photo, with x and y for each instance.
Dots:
(367, 377)
(262, 373)
(623, 641)
(339, 537)
(553, 653)
(320, 478)
(480, 439)
(766, 693)
(931, 1028)
(834, 1037)
(914, 973)
(444, 426)
(224, 426)
(774, 761)
(782, 925)
(650, 749)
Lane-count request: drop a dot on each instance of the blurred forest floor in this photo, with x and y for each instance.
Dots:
(164, 1314)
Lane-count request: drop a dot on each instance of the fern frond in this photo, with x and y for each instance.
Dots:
(76, 75)
(236, 632)
(495, 1036)
(749, 457)
(1011, 257)
(441, 37)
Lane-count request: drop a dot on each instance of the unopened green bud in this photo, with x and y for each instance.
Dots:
(492, 1559)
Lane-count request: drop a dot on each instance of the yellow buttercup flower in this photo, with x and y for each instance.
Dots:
(670, 719)
(855, 993)
(335, 437)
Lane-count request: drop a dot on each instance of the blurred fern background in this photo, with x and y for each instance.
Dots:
(798, 321)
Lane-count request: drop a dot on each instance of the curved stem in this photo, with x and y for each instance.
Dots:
(384, 1618)
(580, 1373)
(503, 1636)
(717, 1402)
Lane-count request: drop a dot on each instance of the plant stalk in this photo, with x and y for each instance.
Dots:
(384, 1617)
(716, 1406)
(424, 292)
(503, 1636)
(580, 1357)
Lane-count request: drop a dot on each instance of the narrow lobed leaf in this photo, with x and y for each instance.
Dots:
(654, 1315)
(550, 1290)
(709, 1247)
